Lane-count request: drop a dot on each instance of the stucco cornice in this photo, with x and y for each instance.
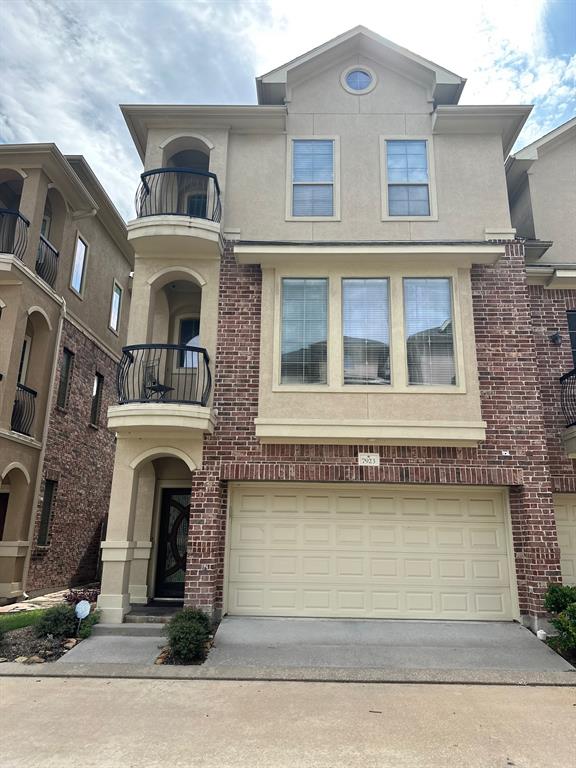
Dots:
(505, 121)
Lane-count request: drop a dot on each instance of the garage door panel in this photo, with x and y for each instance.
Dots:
(441, 555)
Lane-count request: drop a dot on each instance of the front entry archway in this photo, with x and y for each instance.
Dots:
(172, 543)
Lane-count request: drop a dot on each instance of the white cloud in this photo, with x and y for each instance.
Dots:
(68, 63)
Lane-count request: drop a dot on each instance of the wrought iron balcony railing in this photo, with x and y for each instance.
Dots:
(13, 232)
(179, 192)
(47, 261)
(568, 397)
(23, 410)
(164, 373)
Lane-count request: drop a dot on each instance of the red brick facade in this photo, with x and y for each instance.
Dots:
(80, 458)
(510, 374)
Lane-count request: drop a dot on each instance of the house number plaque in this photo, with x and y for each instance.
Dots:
(369, 459)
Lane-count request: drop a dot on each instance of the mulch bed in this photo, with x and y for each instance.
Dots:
(23, 642)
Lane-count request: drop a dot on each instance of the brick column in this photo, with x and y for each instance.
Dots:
(512, 407)
(206, 537)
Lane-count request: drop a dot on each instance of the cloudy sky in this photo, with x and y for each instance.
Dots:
(67, 64)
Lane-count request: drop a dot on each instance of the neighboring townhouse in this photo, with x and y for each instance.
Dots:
(542, 188)
(329, 404)
(65, 266)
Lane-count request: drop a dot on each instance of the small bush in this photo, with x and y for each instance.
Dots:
(1, 635)
(59, 621)
(188, 633)
(565, 624)
(88, 624)
(74, 596)
(559, 597)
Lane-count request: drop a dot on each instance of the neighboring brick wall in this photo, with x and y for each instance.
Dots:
(511, 405)
(81, 459)
(549, 310)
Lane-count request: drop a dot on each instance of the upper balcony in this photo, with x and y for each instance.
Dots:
(568, 403)
(179, 211)
(13, 232)
(162, 388)
(47, 261)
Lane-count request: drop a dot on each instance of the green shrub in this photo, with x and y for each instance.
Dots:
(1, 635)
(87, 625)
(188, 632)
(559, 597)
(59, 621)
(565, 624)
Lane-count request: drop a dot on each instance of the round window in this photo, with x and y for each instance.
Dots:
(358, 80)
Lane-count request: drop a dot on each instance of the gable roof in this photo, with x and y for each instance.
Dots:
(530, 151)
(446, 85)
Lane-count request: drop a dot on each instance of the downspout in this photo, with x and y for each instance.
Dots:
(44, 441)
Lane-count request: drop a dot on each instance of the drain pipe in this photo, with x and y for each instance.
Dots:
(44, 440)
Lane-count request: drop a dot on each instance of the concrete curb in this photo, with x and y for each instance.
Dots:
(293, 674)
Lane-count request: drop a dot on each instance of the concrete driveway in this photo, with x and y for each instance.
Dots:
(359, 644)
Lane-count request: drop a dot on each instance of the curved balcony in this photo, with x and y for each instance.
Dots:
(568, 405)
(162, 387)
(47, 261)
(23, 410)
(13, 232)
(177, 202)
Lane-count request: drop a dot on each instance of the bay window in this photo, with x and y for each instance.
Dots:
(365, 329)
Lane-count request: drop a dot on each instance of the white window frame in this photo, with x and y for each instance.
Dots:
(335, 183)
(385, 216)
(176, 335)
(80, 293)
(335, 340)
(116, 284)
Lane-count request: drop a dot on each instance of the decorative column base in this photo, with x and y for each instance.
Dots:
(114, 599)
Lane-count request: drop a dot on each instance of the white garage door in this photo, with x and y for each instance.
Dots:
(368, 551)
(565, 506)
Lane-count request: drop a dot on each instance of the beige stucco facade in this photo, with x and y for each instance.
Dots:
(542, 179)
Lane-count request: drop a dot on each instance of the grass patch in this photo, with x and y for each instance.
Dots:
(10, 621)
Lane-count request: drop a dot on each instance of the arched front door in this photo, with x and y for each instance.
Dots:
(172, 542)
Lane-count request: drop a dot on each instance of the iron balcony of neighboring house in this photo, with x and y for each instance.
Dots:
(47, 261)
(13, 232)
(23, 410)
(568, 397)
(164, 373)
(179, 192)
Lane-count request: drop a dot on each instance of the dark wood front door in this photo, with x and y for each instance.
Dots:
(172, 542)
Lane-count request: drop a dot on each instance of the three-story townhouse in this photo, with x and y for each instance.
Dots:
(65, 266)
(329, 402)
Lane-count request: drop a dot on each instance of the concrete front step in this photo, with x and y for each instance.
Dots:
(141, 629)
(136, 618)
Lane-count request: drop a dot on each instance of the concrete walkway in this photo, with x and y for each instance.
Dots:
(359, 644)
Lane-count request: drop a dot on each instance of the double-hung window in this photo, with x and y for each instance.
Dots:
(366, 330)
(408, 178)
(313, 178)
(304, 331)
(429, 331)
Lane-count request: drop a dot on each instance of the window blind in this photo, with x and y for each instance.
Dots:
(366, 330)
(407, 168)
(429, 331)
(304, 331)
(312, 177)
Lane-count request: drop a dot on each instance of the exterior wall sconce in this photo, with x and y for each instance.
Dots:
(556, 338)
